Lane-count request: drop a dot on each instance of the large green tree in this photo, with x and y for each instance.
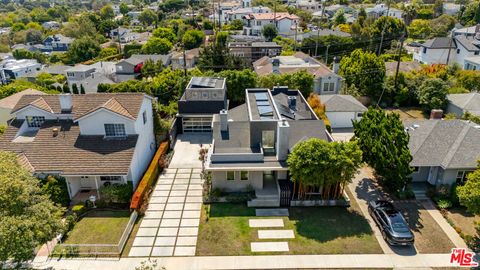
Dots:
(432, 94)
(216, 57)
(301, 80)
(237, 82)
(193, 39)
(155, 45)
(147, 17)
(384, 143)
(28, 217)
(469, 193)
(365, 70)
(163, 32)
(269, 31)
(338, 162)
(83, 49)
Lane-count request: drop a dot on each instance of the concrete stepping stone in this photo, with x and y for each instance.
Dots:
(163, 187)
(271, 212)
(184, 170)
(182, 181)
(176, 199)
(153, 214)
(156, 206)
(169, 170)
(146, 232)
(172, 214)
(143, 241)
(193, 206)
(174, 207)
(160, 193)
(269, 246)
(276, 234)
(191, 214)
(194, 193)
(184, 251)
(195, 187)
(162, 251)
(167, 232)
(174, 222)
(176, 193)
(158, 199)
(187, 241)
(165, 241)
(179, 187)
(165, 182)
(150, 223)
(139, 252)
(188, 231)
(183, 175)
(196, 199)
(190, 222)
(196, 170)
(265, 223)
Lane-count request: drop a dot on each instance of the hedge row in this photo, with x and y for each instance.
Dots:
(149, 177)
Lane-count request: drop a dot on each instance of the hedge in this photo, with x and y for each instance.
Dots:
(149, 177)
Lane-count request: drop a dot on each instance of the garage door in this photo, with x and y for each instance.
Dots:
(341, 119)
(197, 124)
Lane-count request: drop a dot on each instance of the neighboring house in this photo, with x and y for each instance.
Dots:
(251, 142)
(130, 68)
(51, 25)
(57, 43)
(443, 151)
(11, 68)
(435, 51)
(282, 20)
(178, 62)
(123, 35)
(308, 5)
(52, 69)
(241, 12)
(92, 140)
(383, 10)
(90, 76)
(7, 104)
(451, 8)
(316, 32)
(470, 31)
(326, 81)
(203, 97)
(252, 51)
(391, 67)
(472, 63)
(342, 110)
(459, 104)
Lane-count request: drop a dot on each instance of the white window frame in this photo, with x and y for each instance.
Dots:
(35, 121)
(462, 176)
(118, 130)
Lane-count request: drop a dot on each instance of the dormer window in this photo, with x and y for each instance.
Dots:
(35, 121)
(115, 130)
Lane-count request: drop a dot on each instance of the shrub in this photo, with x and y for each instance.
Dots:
(444, 204)
(454, 196)
(238, 197)
(116, 193)
(79, 209)
(56, 188)
(70, 222)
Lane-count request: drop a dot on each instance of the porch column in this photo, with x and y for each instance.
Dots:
(96, 185)
(68, 188)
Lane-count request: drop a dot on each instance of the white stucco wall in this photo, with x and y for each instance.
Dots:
(435, 56)
(145, 147)
(341, 119)
(219, 180)
(93, 124)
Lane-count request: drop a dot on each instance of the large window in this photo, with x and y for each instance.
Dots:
(197, 124)
(243, 175)
(268, 139)
(230, 176)
(110, 178)
(35, 121)
(115, 130)
(329, 87)
(462, 176)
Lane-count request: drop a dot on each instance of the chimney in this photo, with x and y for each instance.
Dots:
(223, 120)
(65, 102)
(336, 64)
(276, 66)
(436, 114)
(283, 133)
(292, 103)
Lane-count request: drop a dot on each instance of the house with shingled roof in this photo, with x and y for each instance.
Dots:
(92, 140)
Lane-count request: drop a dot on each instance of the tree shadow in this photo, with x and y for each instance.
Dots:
(329, 223)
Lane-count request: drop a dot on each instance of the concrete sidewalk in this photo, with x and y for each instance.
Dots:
(257, 262)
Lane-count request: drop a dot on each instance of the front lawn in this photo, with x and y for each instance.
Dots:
(462, 220)
(99, 227)
(318, 230)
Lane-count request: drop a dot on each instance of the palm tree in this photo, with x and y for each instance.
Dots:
(409, 14)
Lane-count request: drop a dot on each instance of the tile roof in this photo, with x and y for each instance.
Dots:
(271, 16)
(10, 101)
(125, 103)
(450, 144)
(69, 152)
(41, 104)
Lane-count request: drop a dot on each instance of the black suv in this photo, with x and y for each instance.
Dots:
(392, 224)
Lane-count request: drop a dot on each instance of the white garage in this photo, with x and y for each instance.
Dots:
(341, 110)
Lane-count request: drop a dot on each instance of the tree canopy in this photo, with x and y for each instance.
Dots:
(155, 45)
(432, 94)
(384, 143)
(301, 80)
(83, 49)
(269, 31)
(29, 218)
(469, 193)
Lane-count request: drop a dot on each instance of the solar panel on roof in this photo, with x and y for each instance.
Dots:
(263, 103)
(261, 97)
(285, 111)
(203, 82)
(265, 110)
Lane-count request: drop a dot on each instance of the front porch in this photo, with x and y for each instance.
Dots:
(269, 194)
(81, 188)
(84, 195)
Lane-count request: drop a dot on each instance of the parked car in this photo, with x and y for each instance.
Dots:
(393, 226)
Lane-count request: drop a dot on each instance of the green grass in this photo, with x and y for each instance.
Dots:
(99, 227)
(224, 230)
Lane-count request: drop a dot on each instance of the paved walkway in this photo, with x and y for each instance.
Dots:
(170, 225)
(389, 261)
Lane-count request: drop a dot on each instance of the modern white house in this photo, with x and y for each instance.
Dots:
(11, 69)
(92, 140)
(283, 21)
(241, 12)
(383, 10)
(251, 142)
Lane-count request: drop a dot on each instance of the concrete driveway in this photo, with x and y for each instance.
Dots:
(342, 134)
(186, 150)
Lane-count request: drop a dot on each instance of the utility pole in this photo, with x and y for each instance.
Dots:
(295, 43)
(326, 55)
(275, 13)
(318, 27)
(184, 62)
(402, 39)
(449, 47)
(384, 28)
